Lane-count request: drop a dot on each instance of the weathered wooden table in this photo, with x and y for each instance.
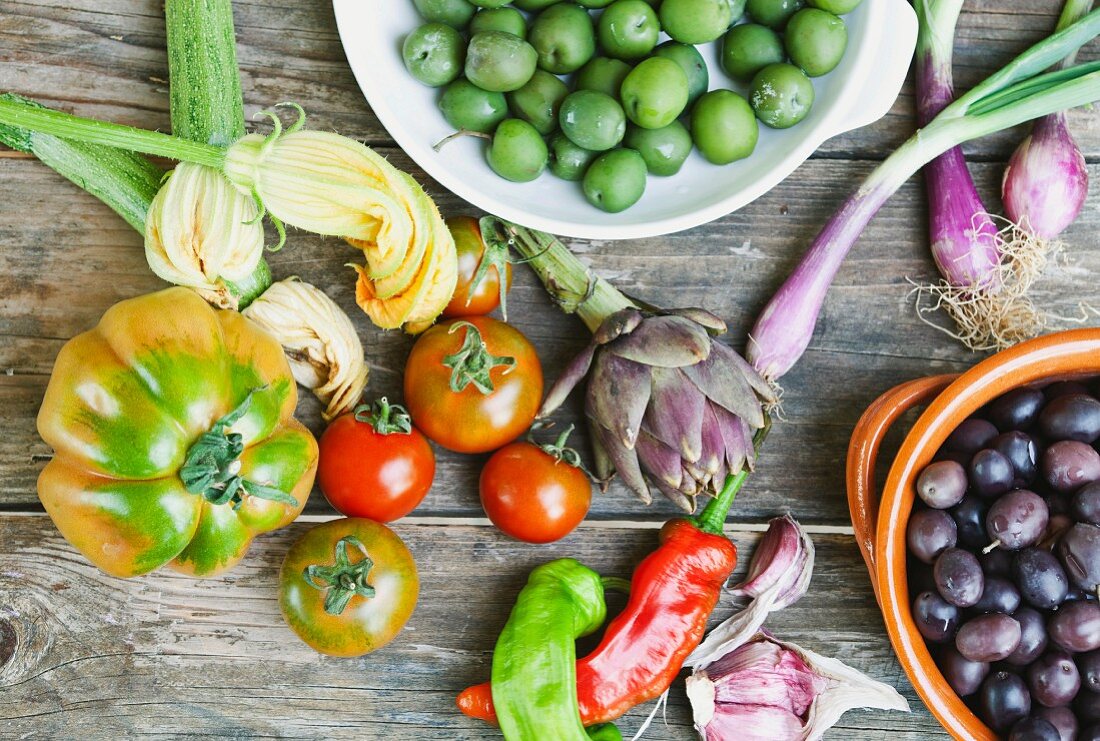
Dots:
(86, 655)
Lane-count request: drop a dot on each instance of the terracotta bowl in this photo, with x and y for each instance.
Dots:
(880, 521)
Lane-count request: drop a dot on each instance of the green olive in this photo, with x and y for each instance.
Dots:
(469, 108)
(499, 61)
(664, 150)
(695, 21)
(517, 151)
(838, 7)
(508, 20)
(595, 4)
(655, 92)
(773, 13)
(564, 38)
(533, 6)
(490, 3)
(628, 29)
(691, 62)
(723, 127)
(433, 54)
(615, 180)
(749, 48)
(592, 120)
(567, 160)
(455, 13)
(816, 40)
(539, 100)
(781, 95)
(604, 75)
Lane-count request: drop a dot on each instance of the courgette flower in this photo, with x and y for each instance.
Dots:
(201, 233)
(319, 339)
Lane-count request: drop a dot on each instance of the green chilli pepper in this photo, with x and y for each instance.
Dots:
(534, 676)
(604, 732)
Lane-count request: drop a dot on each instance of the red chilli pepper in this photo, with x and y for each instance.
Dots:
(672, 593)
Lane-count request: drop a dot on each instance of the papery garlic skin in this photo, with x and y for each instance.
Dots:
(779, 575)
(201, 233)
(772, 690)
(319, 339)
(784, 557)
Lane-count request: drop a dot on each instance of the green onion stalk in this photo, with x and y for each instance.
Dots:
(1046, 181)
(1021, 91)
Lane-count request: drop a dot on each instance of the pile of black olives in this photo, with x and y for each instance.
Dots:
(1004, 564)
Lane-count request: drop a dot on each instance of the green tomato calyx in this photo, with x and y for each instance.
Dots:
(344, 579)
(385, 418)
(473, 362)
(212, 467)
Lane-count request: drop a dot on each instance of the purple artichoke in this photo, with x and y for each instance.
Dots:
(667, 402)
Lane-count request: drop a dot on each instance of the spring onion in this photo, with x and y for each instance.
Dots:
(1019, 92)
(1046, 182)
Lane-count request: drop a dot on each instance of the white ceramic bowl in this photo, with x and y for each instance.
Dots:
(881, 39)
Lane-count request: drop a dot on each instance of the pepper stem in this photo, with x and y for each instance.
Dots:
(385, 418)
(473, 363)
(713, 516)
(344, 579)
(570, 284)
(615, 584)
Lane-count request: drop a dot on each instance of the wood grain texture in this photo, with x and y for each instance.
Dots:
(167, 655)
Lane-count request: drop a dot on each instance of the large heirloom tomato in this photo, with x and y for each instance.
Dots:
(174, 437)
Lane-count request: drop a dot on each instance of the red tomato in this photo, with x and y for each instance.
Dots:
(470, 298)
(461, 390)
(375, 464)
(533, 495)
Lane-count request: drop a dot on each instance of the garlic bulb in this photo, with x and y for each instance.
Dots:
(765, 689)
(201, 233)
(324, 351)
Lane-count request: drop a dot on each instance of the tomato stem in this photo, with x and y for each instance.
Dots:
(344, 579)
(494, 254)
(212, 467)
(385, 418)
(473, 363)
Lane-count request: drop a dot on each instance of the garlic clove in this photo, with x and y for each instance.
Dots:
(784, 558)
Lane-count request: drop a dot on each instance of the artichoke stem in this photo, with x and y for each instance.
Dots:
(572, 286)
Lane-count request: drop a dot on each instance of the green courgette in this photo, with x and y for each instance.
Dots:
(205, 82)
(205, 92)
(125, 181)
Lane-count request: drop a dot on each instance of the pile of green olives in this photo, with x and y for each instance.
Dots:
(607, 92)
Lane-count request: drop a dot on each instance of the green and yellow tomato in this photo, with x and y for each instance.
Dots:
(347, 587)
(174, 437)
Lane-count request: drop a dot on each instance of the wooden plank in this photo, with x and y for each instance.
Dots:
(70, 258)
(164, 654)
(105, 58)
